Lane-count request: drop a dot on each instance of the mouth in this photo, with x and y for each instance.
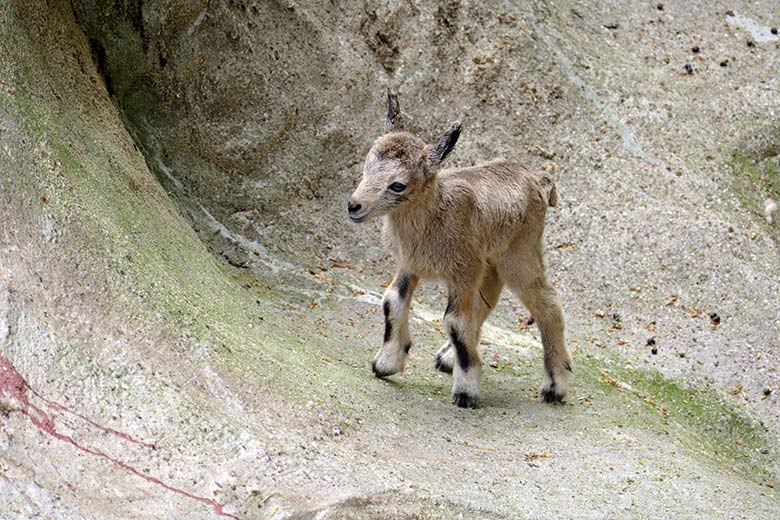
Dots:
(361, 217)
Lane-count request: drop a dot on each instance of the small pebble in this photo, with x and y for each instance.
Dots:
(688, 69)
(751, 43)
(773, 30)
(660, 7)
(729, 13)
(715, 318)
(724, 63)
(695, 49)
(651, 341)
(767, 391)
(654, 351)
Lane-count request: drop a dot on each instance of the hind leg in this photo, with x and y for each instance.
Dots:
(525, 275)
(489, 293)
(460, 321)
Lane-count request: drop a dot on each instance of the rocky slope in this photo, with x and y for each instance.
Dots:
(186, 317)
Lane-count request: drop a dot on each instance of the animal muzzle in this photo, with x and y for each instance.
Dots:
(357, 211)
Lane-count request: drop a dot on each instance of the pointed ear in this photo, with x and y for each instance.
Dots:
(394, 121)
(444, 145)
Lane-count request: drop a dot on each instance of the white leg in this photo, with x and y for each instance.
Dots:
(391, 358)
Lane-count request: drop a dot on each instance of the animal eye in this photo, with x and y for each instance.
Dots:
(397, 187)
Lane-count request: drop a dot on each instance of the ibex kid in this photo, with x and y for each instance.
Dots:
(474, 228)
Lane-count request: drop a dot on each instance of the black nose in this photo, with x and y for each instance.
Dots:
(352, 208)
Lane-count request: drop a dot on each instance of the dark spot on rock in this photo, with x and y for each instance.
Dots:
(612, 26)
(773, 30)
(724, 63)
(530, 320)
(715, 318)
(688, 69)
(767, 391)
(695, 49)
(729, 13)
(660, 7)
(751, 43)
(616, 316)
(654, 351)
(651, 341)
(99, 58)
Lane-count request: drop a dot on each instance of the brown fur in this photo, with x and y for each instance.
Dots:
(475, 228)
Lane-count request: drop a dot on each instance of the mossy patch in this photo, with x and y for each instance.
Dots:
(694, 419)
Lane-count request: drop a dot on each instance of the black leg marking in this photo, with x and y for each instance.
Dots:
(388, 329)
(464, 400)
(441, 366)
(403, 286)
(388, 322)
(464, 361)
(551, 394)
(450, 306)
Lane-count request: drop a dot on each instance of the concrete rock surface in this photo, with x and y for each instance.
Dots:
(187, 317)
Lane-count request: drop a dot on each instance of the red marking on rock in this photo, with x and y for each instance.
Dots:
(14, 386)
(122, 435)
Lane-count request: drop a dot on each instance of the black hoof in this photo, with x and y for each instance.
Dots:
(441, 366)
(464, 400)
(551, 395)
(378, 373)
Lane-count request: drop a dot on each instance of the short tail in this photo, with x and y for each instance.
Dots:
(547, 189)
(552, 196)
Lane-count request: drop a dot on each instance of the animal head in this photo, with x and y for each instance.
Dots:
(399, 167)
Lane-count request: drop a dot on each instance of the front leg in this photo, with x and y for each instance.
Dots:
(462, 324)
(391, 358)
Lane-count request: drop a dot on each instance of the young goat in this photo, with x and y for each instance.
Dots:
(476, 229)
